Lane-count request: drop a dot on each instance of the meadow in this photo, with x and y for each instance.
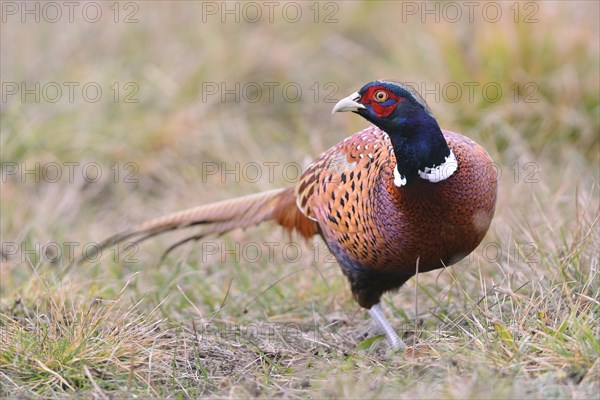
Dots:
(113, 113)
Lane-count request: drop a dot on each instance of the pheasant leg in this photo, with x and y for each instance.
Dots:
(379, 319)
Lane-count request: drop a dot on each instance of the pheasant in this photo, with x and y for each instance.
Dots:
(398, 198)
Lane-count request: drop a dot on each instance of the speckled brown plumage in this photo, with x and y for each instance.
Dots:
(376, 226)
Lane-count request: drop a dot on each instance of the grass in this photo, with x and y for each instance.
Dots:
(518, 319)
(67, 344)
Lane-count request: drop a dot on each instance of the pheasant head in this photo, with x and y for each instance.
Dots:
(419, 145)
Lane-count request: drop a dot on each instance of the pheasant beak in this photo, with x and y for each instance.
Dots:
(349, 103)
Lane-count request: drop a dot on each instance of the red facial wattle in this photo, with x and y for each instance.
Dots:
(382, 109)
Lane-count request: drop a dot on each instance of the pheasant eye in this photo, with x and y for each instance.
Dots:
(380, 96)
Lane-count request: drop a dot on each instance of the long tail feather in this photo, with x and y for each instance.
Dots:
(220, 217)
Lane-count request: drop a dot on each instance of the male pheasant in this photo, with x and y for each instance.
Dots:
(398, 198)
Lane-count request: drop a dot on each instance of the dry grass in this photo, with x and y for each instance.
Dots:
(518, 319)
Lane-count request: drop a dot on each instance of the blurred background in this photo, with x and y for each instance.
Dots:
(116, 112)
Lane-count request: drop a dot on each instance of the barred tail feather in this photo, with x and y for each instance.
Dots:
(220, 217)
